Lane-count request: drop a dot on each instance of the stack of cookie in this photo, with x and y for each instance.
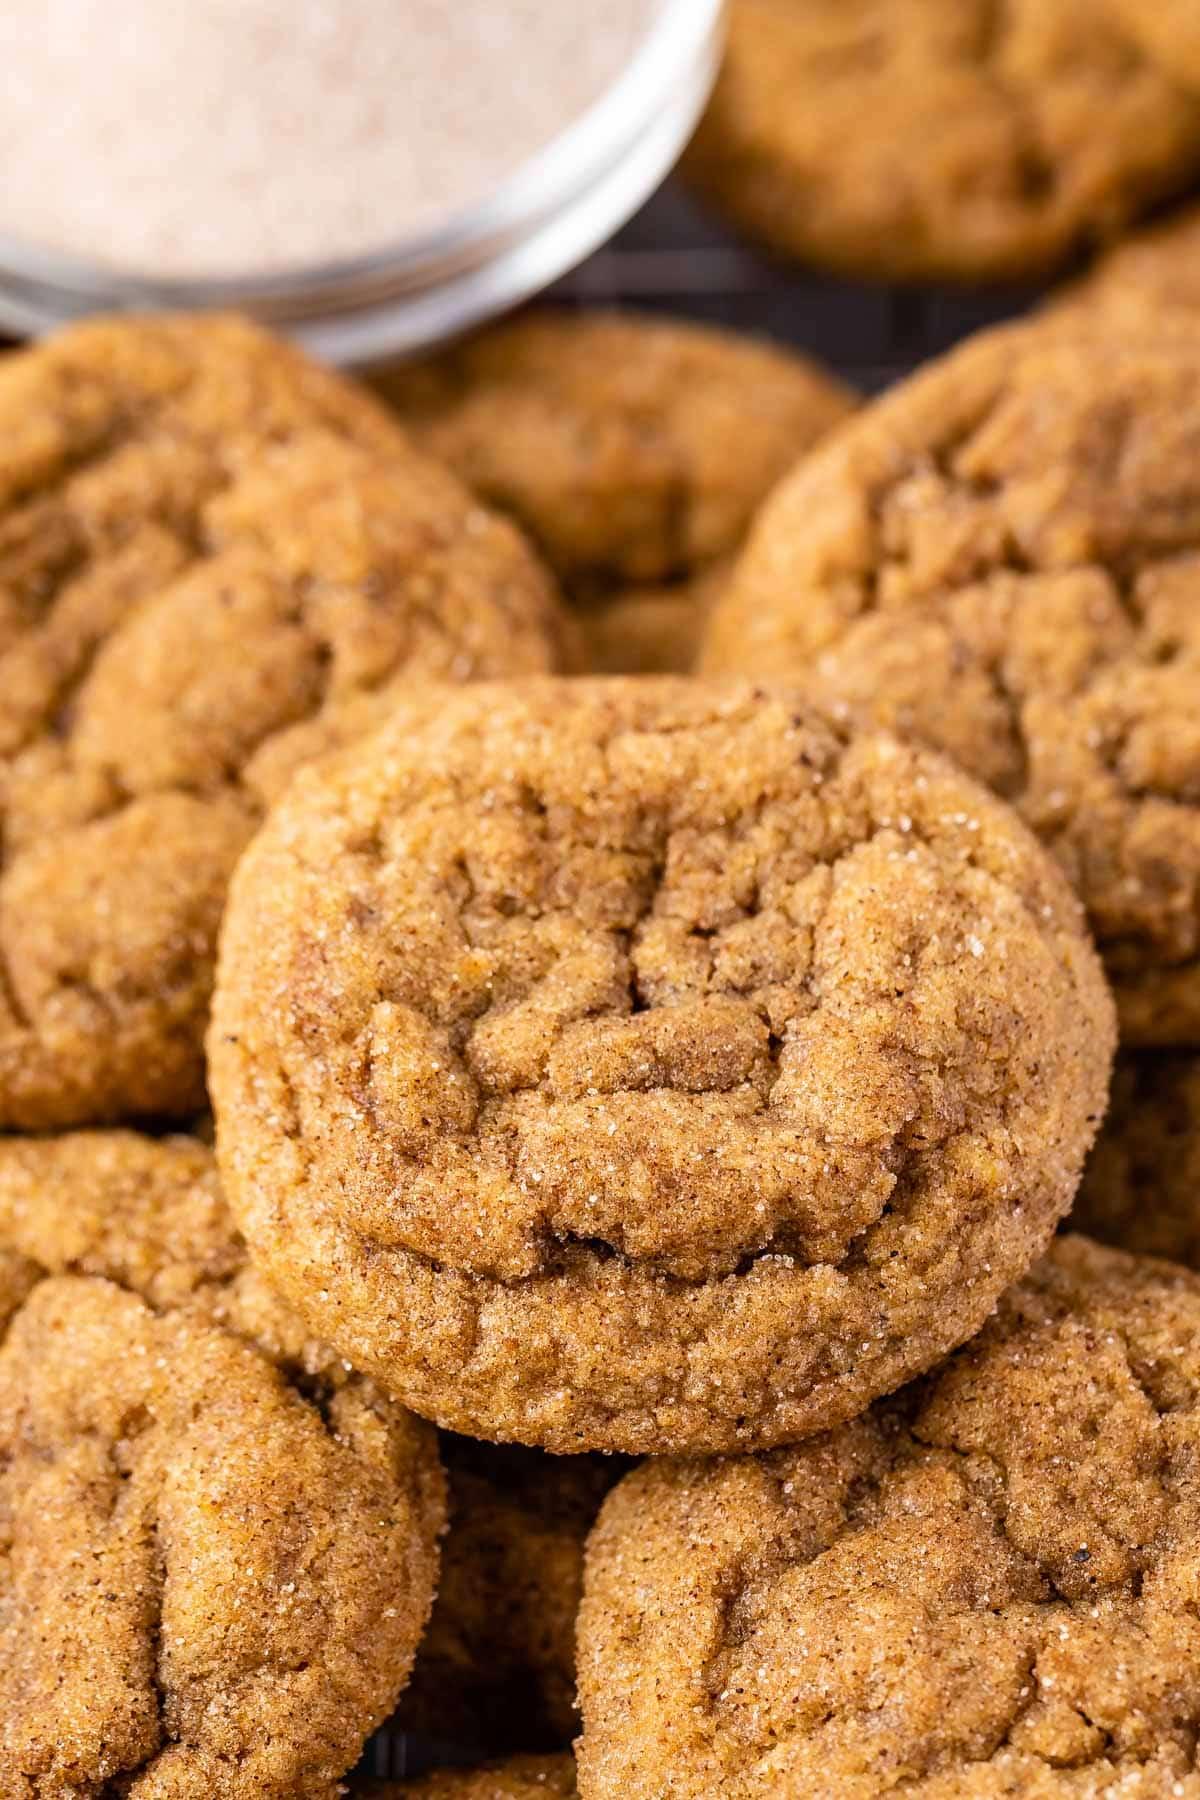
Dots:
(693, 1068)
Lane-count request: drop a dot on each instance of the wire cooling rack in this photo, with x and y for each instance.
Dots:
(675, 258)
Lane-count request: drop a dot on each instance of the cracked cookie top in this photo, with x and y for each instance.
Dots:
(632, 448)
(524, 1778)
(984, 1586)
(909, 139)
(219, 1543)
(1002, 558)
(648, 1065)
(1141, 1185)
(205, 540)
(496, 1667)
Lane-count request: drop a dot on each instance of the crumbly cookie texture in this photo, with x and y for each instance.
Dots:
(1141, 1186)
(496, 1667)
(982, 1587)
(1167, 30)
(648, 1065)
(909, 139)
(205, 540)
(220, 1541)
(632, 448)
(524, 1778)
(1000, 557)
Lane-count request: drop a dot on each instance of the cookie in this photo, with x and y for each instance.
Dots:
(956, 139)
(496, 1667)
(220, 1542)
(648, 1065)
(204, 540)
(525, 1778)
(650, 630)
(1000, 557)
(1141, 1187)
(1167, 30)
(633, 449)
(1154, 272)
(982, 1587)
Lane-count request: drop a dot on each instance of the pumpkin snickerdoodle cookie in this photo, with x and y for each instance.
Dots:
(496, 1666)
(524, 1778)
(910, 139)
(648, 1065)
(220, 1543)
(205, 540)
(983, 1587)
(1002, 557)
(1141, 1186)
(634, 449)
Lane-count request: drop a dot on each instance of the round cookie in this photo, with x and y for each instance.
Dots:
(496, 1666)
(1167, 30)
(220, 1543)
(204, 540)
(982, 1587)
(524, 1778)
(633, 449)
(1141, 1186)
(648, 1065)
(1001, 556)
(918, 139)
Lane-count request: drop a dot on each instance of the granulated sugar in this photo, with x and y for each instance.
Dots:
(213, 137)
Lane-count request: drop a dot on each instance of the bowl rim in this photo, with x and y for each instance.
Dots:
(679, 34)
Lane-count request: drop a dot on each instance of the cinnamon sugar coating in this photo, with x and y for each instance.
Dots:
(205, 540)
(219, 1543)
(983, 1587)
(649, 1065)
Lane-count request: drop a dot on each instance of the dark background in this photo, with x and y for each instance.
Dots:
(674, 257)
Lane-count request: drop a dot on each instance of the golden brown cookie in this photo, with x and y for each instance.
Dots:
(496, 1667)
(1167, 30)
(1001, 556)
(204, 540)
(648, 1065)
(982, 1587)
(633, 449)
(524, 1778)
(1141, 1186)
(220, 1543)
(917, 139)
(650, 630)
(1155, 272)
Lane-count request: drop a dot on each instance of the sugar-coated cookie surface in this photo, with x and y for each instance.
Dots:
(1000, 557)
(918, 139)
(648, 1065)
(205, 541)
(983, 1587)
(220, 1542)
(633, 448)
